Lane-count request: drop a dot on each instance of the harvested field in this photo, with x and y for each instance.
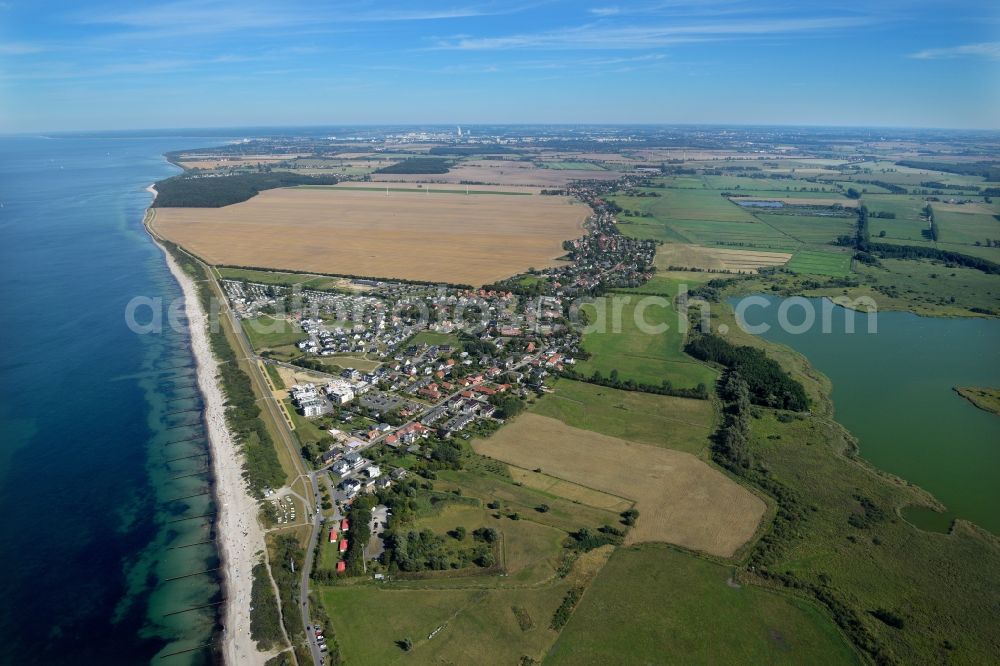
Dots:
(446, 189)
(710, 258)
(571, 491)
(501, 172)
(680, 498)
(446, 238)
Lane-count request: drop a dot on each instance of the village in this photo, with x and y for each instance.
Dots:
(447, 361)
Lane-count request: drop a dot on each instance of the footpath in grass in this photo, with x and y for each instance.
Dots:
(654, 604)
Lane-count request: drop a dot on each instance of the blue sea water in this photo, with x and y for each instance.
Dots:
(106, 550)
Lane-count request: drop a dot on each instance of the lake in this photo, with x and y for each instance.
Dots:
(894, 391)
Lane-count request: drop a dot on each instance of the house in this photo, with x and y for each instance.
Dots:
(344, 525)
(333, 535)
(341, 566)
(341, 467)
(373, 471)
(398, 473)
(343, 545)
(382, 483)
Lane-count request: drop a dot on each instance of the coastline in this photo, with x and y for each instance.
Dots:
(239, 537)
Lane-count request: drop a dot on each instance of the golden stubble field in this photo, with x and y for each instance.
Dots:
(500, 172)
(681, 499)
(467, 239)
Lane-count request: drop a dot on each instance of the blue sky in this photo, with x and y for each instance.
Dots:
(224, 63)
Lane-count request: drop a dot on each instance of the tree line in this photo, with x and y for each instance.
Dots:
(700, 392)
(768, 384)
(190, 191)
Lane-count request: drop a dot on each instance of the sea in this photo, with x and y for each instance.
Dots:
(107, 552)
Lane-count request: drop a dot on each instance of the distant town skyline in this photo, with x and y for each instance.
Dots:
(68, 66)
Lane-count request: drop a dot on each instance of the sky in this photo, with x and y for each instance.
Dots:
(79, 65)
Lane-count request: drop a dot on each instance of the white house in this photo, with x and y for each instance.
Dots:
(373, 471)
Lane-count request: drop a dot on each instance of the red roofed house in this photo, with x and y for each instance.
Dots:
(341, 566)
(333, 536)
(343, 545)
(344, 525)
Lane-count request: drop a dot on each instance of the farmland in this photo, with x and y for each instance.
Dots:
(681, 499)
(653, 601)
(835, 264)
(456, 239)
(653, 356)
(501, 172)
(697, 257)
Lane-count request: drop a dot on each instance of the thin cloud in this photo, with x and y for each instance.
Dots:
(200, 17)
(19, 48)
(599, 36)
(988, 50)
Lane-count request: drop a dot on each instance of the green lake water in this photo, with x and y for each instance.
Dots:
(894, 391)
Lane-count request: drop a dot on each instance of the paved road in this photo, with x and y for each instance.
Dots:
(306, 569)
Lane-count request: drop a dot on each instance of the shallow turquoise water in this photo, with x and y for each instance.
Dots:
(101, 433)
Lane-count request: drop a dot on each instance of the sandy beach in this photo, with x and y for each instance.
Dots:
(239, 535)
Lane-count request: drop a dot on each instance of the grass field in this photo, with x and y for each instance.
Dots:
(427, 190)
(564, 513)
(966, 224)
(645, 357)
(681, 499)
(811, 229)
(435, 338)
(673, 423)
(471, 240)
(573, 166)
(469, 626)
(266, 332)
(653, 601)
(835, 264)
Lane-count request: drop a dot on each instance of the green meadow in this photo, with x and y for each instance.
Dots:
(834, 264)
(641, 355)
(653, 601)
(266, 332)
(675, 423)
